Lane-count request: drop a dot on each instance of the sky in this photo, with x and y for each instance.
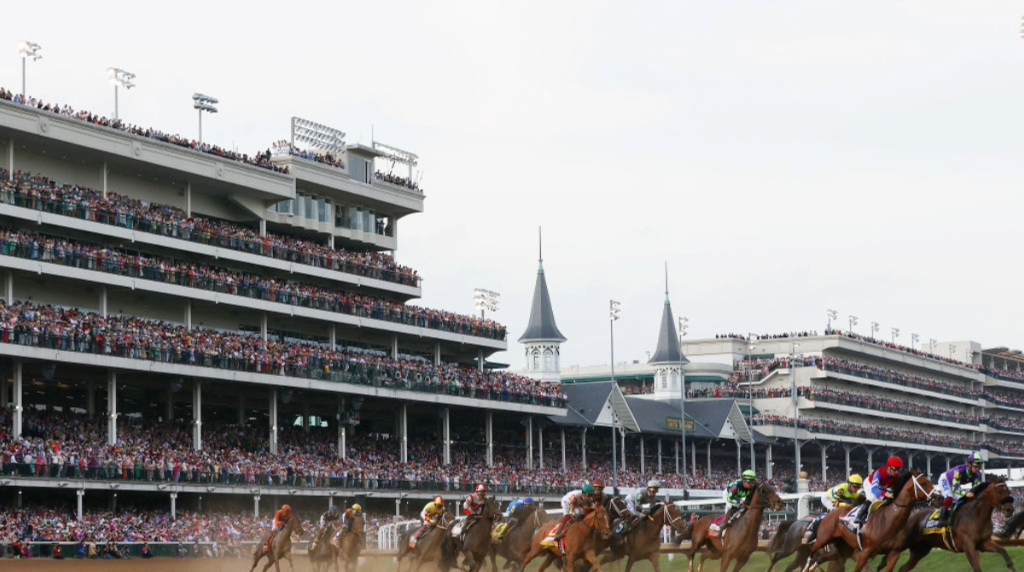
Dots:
(782, 158)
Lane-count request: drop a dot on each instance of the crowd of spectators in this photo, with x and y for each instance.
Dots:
(88, 256)
(887, 404)
(1004, 398)
(1013, 424)
(733, 392)
(901, 348)
(757, 369)
(283, 147)
(775, 336)
(397, 180)
(41, 193)
(259, 159)
(1004, 374)
(896, 377)
(73, 330)
(880, 432)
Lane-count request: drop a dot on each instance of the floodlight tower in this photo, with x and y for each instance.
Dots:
(203, 103)
(26, 50)
(486, 300)
(120, 78)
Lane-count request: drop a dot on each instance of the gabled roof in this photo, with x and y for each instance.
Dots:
(654, 416)
(542, 326)
(586, 403)
(668, 351)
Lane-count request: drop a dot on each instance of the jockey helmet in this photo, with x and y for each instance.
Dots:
(749, 475)
(334, 508)
(975, 459)
(587, 489)
(894, 462)
(357, 508)
(480, 489)
(653, 484)
(286, 508)
(528, 500)
(598, 483)
(855, 479)
(438, 501)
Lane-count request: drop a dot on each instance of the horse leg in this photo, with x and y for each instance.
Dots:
(916, 554)
(740, 563)
(492, 553)
(589, 556)
(629, 563)
(972, 557)
(990, 546)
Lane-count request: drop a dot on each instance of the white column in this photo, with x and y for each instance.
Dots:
(540, 442)
(846, 449)
(769, 464)
(197, 415)
(334, 336)
(305, 417)
(80, 493)
(693, 457)
(263, 325)
(256, 506)
(622, 449)
(188, 199)
(948, 466)
(446, 435)
(437, 353)
(564, 467)
(928, 465)
(174, 506)
(10, 159)
(263, 227)
(19, 403)
(480, 360)
(678, 445)
(103, 300)
(659, 456)
(111, 407)
(394, 346)
(643, 462)
(709, 456)
(489, 428)
(871, 453)
(403, 423)
(103, 179)
(824, 463)
(9, 286)
(529, 442)
(330, 241)
(583, 447)
(188, 314)
(342, 449)
(273, 421)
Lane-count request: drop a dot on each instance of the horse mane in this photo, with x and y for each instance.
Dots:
(779, 538)
(980, 488)
(901, 482)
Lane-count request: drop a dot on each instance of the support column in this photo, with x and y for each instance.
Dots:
(928, 465)
(529, 442)
(824, 462)
(111, 407)
(769, 469)
(643, 462)
(693, 457)
(170, 405)
(739, 458)
(188, 199)
(103, 179)
(174, 506)
(18, 398)
(437, 353)
(273, 421)
(948, 465)
(241, 410)
(263, 326)
(678, 446)
(480, 360)
(403, 424)
(871, 454)
(489, 428)
(263, 227)
(622, 448)
(334, 337)
(256, 506)
(846, 450)
(540, 442)
(305, 417)
(709, 456)
(394, 346)
(330, 241)
(659, 457)
(103, 300)
(197, 415)
(188, 314)
(564, 467)
(446, 435)
(9, 286)
(910, 459)
(583, 447)
(341, 429)
(80, 493)
(10, 162)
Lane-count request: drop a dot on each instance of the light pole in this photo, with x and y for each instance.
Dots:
(931, 345)
(614, 309)
(895, 334)
(203, 103)
(914, 338)
(796, 410)
(26, 50)
(750, 393)
(952, 350)
(874, 329)
(683, 324)
(120, 78)
(832, 315)
(853, 322)
(486, 300)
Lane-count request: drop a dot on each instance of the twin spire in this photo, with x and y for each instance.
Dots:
(667, 351)
(541, 327)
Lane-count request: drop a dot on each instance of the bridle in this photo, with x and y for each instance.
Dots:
(917, 488)
(668, 519)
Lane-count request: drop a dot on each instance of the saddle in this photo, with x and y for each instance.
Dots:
(715, 528)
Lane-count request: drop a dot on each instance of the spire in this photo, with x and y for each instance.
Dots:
(542, 319)
(668, 350)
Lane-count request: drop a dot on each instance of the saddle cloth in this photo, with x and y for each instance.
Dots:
(715, 529)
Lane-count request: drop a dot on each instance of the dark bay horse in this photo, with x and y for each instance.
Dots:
(740, 539)
(579, 542)
(882, 531)
(789, 539)
(322, 554)
(643, 541)
(476, 542)
(435, 545)
(971, 527)
(516, 544)
(351, 544)
(282, 547)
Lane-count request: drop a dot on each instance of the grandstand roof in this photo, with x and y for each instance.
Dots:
(654, 417)
(668, 351)
(542, 318)
(587, 403)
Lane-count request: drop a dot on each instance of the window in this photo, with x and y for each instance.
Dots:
(664, 380)
(536, 360)
(547, 360)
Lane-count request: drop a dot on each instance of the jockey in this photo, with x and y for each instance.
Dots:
(475, 501)
(952, 481)
(738, 497)
(326, 519)
(347, 518)
(513, 514)
(573, 505)
(431, 515)
(281, 517)
(878, 485)
(842, 495)
(636, 502)
(600, 499)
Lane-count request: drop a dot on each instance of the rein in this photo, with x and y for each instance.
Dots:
(667, 518)
(917, 487)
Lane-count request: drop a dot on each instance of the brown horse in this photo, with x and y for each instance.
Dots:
(282, 547)
(322, 554)
(789, 539)
(881, 533)
(476, 542)
(434, 545)
(740, 541)
(643, 541)
(351, 544)
(971, 529)
(578, 541)
(516, 543)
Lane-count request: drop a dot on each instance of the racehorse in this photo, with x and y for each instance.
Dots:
(433, 545)
(282, 547)
(476, 542)
(881, 533)
(351, 544)
(643, 541)
(740, 540)
(321, 552)
(578, 542)
(789, 538)
(970, 526)
(516, 544)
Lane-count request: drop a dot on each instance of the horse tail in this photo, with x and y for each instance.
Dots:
(779, 540)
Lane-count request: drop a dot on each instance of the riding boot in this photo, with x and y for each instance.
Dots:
(944, 516)
(862, 515)
(730, 517)
(562, 524)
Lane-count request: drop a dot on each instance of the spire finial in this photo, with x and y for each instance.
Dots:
(666, 282)
(540, 250)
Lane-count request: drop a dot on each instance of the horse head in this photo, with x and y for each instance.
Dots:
(674, 518)
(914, 487)
(766, 497)
(997, 494)
(598, 520)
(295, 524)
(491, 509)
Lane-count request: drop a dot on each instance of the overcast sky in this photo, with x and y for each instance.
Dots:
(782, 157)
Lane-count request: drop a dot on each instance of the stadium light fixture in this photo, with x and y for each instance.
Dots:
(120, 78)
(914, 338)
(832, 315)
(874, 329)
(317, 135)
(853, 322)
(683, 325)
(614, 311)
(486, 301)
(796, 408)
(895, 334)
(396, 155)
(203, 103)
(952, 350)
(26, 50)
(931, 345)
(751, 347)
